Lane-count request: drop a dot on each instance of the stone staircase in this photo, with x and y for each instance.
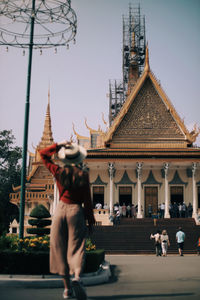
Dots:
(133, 236)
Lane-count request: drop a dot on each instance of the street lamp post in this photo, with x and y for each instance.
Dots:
(55, 22)
(26, 123)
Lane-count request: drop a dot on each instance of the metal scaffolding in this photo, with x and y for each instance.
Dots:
(133, 54)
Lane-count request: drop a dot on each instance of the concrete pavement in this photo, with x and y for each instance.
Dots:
(133, 277)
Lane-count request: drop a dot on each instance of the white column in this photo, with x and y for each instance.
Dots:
(194, 194)
(166, 170)
(139, 175)
(111, 171)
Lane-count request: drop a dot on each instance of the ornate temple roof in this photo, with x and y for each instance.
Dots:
(148, 119)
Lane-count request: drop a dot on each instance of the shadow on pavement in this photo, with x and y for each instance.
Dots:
(123, 297)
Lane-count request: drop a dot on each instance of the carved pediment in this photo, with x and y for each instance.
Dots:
(148, 118)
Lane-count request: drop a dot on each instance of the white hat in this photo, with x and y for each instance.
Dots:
(72, 154)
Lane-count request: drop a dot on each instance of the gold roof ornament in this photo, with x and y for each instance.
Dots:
(103, 119)
(195, 132)
(16, 188)
(77, 134)
(90, 129)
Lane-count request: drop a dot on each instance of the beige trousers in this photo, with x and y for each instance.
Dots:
(67, 240)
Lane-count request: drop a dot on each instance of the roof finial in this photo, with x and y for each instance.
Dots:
(49, 94)
(146, 65)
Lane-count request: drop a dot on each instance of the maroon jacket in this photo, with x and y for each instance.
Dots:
(70, 196)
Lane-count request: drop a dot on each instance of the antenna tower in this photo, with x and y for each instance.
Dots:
(133, 54)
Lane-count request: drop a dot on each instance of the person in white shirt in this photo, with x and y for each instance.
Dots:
(157, 239)
(164, 242)
(117, 218)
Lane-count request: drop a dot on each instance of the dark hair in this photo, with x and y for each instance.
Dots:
(73, 177)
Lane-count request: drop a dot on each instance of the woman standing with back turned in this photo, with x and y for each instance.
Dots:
(68, 230)
(164, 242)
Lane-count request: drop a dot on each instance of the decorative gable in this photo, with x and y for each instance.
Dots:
(148, 119)
(148, 116)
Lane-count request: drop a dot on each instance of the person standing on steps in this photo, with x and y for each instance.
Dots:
(164, 242)
(68, 229)
(180, 238)
(157, 239)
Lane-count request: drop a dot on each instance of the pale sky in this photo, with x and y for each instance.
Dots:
(79, 77)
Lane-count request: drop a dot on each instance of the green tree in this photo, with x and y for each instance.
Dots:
(10, 172)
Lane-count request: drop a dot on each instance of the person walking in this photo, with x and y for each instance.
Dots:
(117, 218)
(157, 239)
(68, 229)
(164, 242)
(180, 238)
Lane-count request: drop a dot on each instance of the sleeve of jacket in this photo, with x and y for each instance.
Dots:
(88, 204)
(46, 155)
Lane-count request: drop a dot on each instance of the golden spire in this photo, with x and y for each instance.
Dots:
(146, 65)
(47, 137)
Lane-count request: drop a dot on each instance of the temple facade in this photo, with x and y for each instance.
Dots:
(145, 157)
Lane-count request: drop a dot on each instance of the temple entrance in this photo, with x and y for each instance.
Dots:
(98, 195)
(176, 194)
(151, 199)
(125, 195)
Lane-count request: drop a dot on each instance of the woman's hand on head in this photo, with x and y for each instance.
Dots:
(64, 143)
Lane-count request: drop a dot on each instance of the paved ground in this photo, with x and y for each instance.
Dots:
(134, 277)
